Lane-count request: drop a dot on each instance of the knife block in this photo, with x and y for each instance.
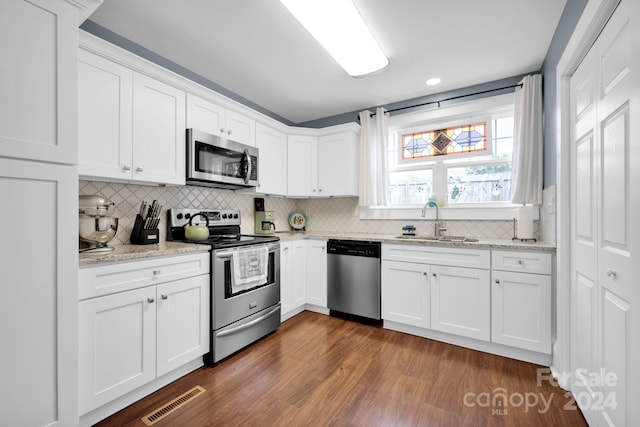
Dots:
(143, 236)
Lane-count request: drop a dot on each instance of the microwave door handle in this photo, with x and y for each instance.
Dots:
(247, 169)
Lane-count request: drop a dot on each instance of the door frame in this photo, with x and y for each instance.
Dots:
(593, 19)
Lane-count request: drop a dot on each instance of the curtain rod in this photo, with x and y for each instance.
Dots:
(448, 99)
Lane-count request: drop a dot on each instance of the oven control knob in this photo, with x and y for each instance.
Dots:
(179, 216)
(187, 216)
(224, 216)
(235, 215)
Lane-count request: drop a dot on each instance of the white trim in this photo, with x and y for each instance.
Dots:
(592, 20)
(464, 212)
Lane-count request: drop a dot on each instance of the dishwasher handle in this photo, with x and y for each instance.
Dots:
(354, 248)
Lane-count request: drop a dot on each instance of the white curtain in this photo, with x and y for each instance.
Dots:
(527, 170)
(374, 180)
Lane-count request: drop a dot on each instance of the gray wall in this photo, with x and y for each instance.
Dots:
(568, 21)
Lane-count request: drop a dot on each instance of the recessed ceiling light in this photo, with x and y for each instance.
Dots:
(433, 81)
(339, 28)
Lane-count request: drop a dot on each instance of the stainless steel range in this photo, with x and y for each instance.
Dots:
(245, 279)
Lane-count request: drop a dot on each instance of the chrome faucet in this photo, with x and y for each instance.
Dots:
(439, 227)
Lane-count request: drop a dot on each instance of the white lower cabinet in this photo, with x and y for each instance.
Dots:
(293, 276)
(129, 338)
(405, 293)
(316, 288)
(456, 294)
(521, 302)
(461, 301)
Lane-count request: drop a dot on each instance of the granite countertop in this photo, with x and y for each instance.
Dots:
(132, 252)
(506, 244)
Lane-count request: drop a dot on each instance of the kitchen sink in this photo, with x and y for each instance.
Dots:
(441, 238)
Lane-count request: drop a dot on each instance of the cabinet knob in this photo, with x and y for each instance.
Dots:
(498, 281)
(139, 169)
(222, 130)
(163, 296)
(434, 274)
(611, 273)
(424, 273)
(157, 272)
(151, 300)
(126, 167)
(521, 262)
(319, 190)
(229, 132)
(285, 249)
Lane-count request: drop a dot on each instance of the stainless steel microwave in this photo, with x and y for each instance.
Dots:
(214, 161)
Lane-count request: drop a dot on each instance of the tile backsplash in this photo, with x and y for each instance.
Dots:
(323, 215)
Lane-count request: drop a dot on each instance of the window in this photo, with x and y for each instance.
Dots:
(463, 159)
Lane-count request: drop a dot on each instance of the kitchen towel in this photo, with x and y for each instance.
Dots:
(250, 267)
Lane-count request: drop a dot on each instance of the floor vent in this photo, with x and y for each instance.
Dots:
(165, 410)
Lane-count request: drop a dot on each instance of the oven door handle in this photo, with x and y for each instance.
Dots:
(248, 324)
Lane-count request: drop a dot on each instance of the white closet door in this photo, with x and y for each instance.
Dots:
(606, 233)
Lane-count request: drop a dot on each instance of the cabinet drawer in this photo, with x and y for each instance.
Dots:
(439, 255)
(118, 277)
(521, 262)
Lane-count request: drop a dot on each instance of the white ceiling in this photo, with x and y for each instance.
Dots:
(256, 49)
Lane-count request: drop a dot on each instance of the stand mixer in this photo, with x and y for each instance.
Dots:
(96, 226)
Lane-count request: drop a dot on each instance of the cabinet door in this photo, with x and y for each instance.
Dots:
(521, 310)
(302, 166)
(317, 272)
(285, 277)
(338, 165)
(158, 132)
(183, 322)
(405, 293)
(272, 170)
(117, 337)
(38, 102)
(461, 301)
(38, 311)
(105, 102)
(205, 115)
(240, 128)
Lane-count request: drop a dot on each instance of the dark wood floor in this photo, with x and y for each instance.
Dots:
(317, 370)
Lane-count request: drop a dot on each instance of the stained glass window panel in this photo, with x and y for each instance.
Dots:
(441, 142)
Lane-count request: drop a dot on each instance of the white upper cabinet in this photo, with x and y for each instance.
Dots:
(131, 127)
(158, 131)
(38, 86)
(214, 119)
(338, 160)
(272, 170)
(302, 166)
(105, 117)
(323, 166)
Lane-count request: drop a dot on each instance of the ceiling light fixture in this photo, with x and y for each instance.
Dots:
(433, 81)
(339, 28)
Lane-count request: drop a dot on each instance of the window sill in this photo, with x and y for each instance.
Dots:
(466, 212)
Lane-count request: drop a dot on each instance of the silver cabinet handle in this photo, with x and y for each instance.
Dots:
(611, 273)
(151, 300)
(139, 169)
(126, 167)
(163, 296)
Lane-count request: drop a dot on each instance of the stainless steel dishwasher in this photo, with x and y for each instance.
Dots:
(353, 277)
